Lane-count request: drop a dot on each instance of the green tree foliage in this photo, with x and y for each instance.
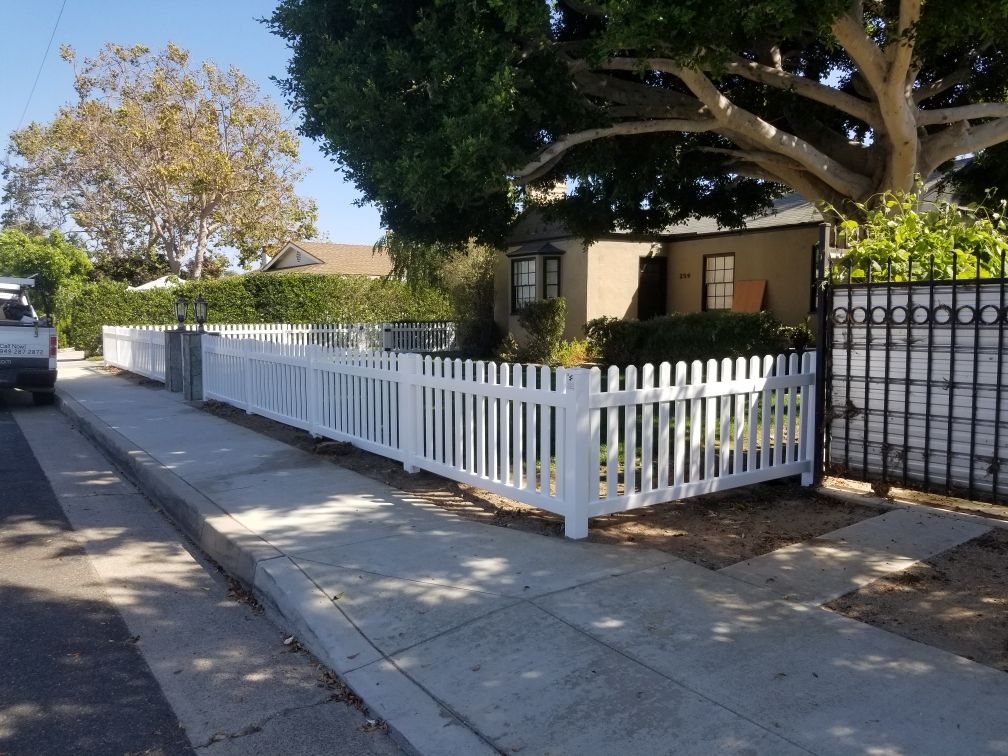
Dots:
(158, 154)
(142, 266)
(464, 272)
(54, 262)
(903, 238)
(252, 298)
(450, 114)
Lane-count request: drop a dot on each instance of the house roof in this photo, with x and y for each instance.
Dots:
(326, 257)
(789, 210)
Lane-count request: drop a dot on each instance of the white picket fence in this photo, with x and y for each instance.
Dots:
(431, 336)
(559, 440)
(141, 349)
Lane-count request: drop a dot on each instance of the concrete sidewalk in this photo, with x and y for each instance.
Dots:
(471, 639)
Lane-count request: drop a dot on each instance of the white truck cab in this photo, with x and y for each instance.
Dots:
(27, 346)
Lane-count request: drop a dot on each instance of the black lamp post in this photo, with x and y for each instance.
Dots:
(181, 306)
(200, 311)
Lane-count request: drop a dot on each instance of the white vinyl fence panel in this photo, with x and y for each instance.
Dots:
(139, 350)
(557, 439)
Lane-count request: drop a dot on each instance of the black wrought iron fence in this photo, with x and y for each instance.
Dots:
(915, 382)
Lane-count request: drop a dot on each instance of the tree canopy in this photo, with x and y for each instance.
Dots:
(50, 259)
(157, 154)
(448, 114)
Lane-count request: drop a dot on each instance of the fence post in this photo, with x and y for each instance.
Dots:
(576, 454)
(409, 409)
(244, 349)
(821, 391)
(807, 422)
(313, 352)
(387, 338)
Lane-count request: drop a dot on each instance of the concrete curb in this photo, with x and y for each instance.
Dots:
(417, 721)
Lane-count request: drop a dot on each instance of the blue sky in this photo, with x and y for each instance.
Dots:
(225, 31)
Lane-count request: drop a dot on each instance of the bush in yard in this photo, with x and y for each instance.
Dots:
(686, 337)
(252, 298)
(543, 321)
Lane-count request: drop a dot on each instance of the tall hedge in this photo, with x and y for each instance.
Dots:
(251, 298)
(688, 337)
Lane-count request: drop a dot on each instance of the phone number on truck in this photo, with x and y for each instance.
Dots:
(20, 350)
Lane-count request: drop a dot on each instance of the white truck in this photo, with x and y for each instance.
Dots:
(27, 346)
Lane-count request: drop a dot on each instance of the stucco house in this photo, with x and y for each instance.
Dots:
(325, 257)
(692, 267)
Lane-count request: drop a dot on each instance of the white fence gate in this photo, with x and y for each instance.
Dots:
(557, 440)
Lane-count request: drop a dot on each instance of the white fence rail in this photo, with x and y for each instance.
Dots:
(137, 349)
(558, 440)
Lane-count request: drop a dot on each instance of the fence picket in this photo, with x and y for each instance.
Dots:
(766, 450)
(710, 424)
(518, 435)
(738, 451)
(792, 400)
(612, 436)
(724, 431)
(664, 379)
(755, 371)
(647, 420)
(503, 452)
(779, 442)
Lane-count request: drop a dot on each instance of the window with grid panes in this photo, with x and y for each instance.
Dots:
(523, 282)
(719, 281)
(551, 277)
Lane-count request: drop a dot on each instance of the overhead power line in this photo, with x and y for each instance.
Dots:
(45, 55)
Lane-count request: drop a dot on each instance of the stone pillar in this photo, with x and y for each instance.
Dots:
(173, 360)
(192, 365)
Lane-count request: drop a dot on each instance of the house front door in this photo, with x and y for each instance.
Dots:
(652, 287)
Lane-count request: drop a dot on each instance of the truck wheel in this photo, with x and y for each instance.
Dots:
(43, 398)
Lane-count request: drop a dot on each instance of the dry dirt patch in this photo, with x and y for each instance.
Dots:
(956, 601)
(713, 531)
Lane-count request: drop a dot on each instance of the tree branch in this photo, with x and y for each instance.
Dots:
(625, 92)
(903, 46)
(769, 137)
(962, 113)
(850, 33)
(548, 157)
(805, 87)
(960, 139)
(945, 83)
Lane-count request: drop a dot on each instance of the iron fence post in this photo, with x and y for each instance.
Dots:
(823, 300)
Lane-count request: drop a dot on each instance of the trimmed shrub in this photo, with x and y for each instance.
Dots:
(252, 298)
(686, 337)
(543, 321)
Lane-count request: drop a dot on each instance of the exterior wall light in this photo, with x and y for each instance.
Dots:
(200, 311)
(181, 306)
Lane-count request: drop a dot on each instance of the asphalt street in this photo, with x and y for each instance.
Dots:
(118, 637)
(72, 678)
